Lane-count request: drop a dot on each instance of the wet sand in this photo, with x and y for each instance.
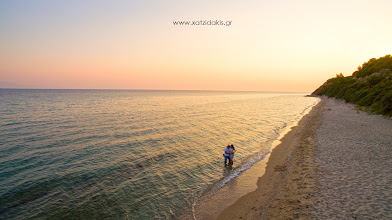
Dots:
(336, 164)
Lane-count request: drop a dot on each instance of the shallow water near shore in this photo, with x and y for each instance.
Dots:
(130, 154)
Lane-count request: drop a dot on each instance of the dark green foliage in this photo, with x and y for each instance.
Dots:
(386, 101)
(370, 86)
(374, 65)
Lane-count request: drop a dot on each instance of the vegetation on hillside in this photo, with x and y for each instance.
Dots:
(370, 86)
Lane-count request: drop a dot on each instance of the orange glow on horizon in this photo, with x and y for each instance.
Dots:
(270, 46)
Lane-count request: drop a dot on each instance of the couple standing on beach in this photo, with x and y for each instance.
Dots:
(229, 154)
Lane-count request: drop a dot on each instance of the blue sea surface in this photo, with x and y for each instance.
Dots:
(129, 154)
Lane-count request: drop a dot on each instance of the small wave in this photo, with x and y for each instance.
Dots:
(235, 173)
(243, 168)
(193, 211)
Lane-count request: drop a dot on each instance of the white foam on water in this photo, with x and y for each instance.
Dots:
(243, 168)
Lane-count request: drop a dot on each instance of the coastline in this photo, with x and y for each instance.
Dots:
(287, 188)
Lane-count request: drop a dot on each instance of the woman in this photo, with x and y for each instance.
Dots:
(231, 153)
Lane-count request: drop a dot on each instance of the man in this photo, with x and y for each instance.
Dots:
(226, 153)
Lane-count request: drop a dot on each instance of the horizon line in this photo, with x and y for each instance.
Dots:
(183, 90)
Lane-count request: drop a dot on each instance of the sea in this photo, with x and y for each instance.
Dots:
(131, 154)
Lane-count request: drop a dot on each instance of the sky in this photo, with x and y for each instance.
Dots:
(280, 45)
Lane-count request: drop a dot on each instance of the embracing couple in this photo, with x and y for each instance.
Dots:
(229, 154)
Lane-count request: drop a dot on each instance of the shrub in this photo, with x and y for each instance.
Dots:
(363, 87)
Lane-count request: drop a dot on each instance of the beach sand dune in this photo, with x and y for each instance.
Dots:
(336, 164)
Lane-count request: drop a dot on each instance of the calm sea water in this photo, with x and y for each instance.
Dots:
(126, 154)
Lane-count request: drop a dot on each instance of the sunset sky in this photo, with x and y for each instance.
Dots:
(280, 45)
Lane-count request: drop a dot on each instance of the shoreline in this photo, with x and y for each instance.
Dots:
(244, 183)
(212, 203)
(334, 165)
(285, 190)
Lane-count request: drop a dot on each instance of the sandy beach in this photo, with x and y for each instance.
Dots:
(354, 160)
(334, 165)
